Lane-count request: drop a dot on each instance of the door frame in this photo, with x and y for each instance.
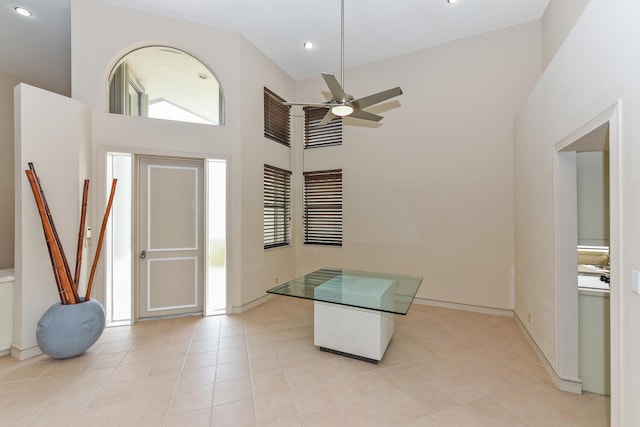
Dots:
(101, 192)
(567, 354)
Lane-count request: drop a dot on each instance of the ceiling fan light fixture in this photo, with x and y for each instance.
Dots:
(342, 110)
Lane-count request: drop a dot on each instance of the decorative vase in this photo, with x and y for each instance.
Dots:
(69, 330)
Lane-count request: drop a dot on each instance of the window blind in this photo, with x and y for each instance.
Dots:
(276, 118)
(316, 135)
(323, 207)
(277, 201)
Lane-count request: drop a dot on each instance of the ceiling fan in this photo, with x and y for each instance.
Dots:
(341, 103)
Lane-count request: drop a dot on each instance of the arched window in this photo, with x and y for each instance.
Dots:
(165, 83)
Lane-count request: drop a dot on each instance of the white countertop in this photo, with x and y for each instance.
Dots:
(6, 275)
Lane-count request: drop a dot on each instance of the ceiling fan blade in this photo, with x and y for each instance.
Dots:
(365, 115)
(376, 98)
(327, 118)
(336, 90)
(309, 104)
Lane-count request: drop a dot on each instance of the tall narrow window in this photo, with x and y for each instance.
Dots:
(216, 294)
(277, 200)
(276, 118)
(317, 135)
(323, 207)
(118, 245)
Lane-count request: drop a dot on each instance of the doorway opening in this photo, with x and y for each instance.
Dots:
(124, 250)
(587, 237)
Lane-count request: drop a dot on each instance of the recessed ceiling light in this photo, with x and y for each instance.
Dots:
(22, 11)
(452, 1)
(309, 45)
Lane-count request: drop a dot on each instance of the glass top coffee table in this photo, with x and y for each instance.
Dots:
(353, 310)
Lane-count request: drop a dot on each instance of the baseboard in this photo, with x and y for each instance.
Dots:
(571, 385)
(5, 352)
(25, 353)
(237, 309)
(464, 307)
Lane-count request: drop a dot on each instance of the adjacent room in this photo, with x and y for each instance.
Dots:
(470, 163)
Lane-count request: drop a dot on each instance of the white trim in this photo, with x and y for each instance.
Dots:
(25, 353)
(465, 307)
(238, 309)
(571, 385)
(172, 250)
(616, 306)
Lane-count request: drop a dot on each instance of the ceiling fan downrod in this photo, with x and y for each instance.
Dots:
(341, 103)
(342, 43)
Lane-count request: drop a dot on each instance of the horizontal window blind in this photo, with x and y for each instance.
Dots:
(277, 202)
(276, 118)
(316, 135)
(323, 207)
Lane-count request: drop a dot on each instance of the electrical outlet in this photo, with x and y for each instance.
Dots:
(275, 281)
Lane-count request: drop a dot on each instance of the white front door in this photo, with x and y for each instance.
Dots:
(170, 236)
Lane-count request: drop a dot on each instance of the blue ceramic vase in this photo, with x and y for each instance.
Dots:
(69, 330)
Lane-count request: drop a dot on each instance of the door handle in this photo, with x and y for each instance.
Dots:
(143, 254)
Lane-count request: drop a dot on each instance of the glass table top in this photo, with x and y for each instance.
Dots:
(391, 293)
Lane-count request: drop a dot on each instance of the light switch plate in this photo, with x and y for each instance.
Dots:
(635, 281)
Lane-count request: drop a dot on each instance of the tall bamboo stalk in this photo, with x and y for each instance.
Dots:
(100, 239)
(83, 217)
(63, 279)
(64, 298)
(74, 297)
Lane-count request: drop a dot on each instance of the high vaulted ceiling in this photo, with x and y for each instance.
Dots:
(38, 48)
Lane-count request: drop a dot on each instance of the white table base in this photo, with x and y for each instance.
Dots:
(352, 331)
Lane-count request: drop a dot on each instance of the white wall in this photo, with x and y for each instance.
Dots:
(52, 132)
(558, 19)
(430, 191)
(242, 72)
(7, 83)
(261, 269)
(594, 69)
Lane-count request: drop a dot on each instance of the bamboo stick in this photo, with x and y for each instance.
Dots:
(83, 217)
(64, 298)
(65, 285)
(58, 244)
(99, 248)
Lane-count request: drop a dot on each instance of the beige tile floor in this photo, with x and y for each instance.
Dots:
(443, 368)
